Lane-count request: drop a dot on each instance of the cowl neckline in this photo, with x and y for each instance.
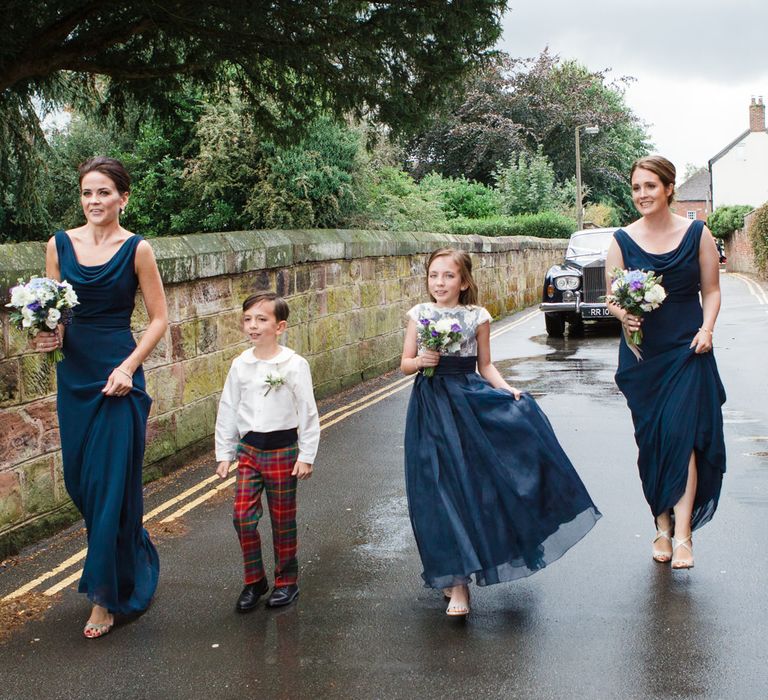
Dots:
(669, 253)
(92, 273)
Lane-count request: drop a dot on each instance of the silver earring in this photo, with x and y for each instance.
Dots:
(121, 210)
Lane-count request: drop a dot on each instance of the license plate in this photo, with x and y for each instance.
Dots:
(595, 312)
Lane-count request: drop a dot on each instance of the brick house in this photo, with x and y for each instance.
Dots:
(740, 171)
(692, 198)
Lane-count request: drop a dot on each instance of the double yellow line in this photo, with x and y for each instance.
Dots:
(327, 420)
(754, 288)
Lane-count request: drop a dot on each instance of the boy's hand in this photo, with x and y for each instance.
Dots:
(302, 470)
(222, 469)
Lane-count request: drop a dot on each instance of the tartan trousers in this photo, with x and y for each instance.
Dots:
(269, 470)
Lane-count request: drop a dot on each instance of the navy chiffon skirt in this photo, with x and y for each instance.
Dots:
(491, 493)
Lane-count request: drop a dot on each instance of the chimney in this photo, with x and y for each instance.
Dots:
(757, 115)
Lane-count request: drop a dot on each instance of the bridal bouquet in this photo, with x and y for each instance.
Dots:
(41, 305)
(637, 292)
(443, 335)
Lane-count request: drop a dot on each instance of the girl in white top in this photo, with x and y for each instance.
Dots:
(491, 494)
(268, 421)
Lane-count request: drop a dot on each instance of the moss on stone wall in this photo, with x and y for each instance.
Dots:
(348, 292)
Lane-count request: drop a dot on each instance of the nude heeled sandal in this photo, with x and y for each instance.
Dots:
(455, 610)
(678, 563)
(658, 555)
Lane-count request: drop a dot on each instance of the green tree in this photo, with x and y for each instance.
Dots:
(527, 185)
(726, 220)
(239, 179)
(513, 106)
(394, 202)
(290, 60)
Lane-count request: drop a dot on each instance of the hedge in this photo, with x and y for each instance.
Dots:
(758, 236)
(543, 225)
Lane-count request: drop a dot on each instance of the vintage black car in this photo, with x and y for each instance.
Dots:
(574, 291)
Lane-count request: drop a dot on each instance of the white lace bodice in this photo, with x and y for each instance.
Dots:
(468, 317)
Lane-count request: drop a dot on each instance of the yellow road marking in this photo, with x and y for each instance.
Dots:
(34, 583)
(200, 499)
(346, 411)
(75, 558)
(403, 380)
(754, 288)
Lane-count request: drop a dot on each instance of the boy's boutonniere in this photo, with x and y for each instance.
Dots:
(273, 379)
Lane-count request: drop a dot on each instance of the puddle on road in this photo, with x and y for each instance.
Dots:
(387, 532)
(582, 366)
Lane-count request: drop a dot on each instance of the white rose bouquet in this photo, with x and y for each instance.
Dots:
(443, 335)
(637, 292)
(41, 305)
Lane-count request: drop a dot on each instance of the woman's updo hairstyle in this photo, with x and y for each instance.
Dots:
(111, 167)
(661, 167)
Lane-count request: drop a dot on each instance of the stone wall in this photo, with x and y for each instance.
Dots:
(738, 250)
(348, 292)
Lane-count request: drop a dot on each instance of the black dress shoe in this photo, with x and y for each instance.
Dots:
(283, 595)
(249, 598)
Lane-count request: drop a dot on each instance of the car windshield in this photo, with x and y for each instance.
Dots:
(593, 243)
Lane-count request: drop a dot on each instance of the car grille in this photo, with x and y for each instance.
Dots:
(594, 284)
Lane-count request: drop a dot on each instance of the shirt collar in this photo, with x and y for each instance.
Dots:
(284, 355)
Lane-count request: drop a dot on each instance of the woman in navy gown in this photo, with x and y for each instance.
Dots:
(102, 403)
(671, 381)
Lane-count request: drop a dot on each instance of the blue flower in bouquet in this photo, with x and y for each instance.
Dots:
(443, 335)
(637, 292)
(41, 305)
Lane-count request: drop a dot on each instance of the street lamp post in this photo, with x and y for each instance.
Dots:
(579, 197)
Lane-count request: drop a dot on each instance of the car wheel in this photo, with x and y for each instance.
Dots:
(555, 324)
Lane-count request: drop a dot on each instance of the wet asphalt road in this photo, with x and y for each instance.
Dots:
(603, 622)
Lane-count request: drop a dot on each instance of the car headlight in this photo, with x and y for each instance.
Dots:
(567, 282)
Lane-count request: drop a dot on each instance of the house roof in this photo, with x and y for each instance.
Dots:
(728, 147)
(695, 188)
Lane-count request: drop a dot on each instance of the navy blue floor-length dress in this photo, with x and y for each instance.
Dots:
(491, 493)
(102, 437)
(675, 395)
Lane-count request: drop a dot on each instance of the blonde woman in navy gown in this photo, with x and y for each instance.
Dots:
(491, 494)
(102, 402)
(673, 389)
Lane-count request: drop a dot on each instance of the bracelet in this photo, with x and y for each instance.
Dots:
(125, 372)
(706, 330)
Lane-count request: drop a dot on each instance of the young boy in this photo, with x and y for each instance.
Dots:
(268, 421)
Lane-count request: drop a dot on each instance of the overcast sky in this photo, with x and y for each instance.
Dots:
(696, 64)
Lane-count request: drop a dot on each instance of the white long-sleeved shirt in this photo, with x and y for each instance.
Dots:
(246, 405)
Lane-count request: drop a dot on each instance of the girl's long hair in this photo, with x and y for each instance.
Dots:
(468, 296)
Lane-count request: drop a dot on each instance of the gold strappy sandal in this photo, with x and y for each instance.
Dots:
(677, 562)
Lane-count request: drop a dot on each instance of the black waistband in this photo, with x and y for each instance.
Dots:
(451, 364)
(272, 440)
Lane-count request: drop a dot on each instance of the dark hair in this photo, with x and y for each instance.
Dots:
(280, 304)
(661, 167)
(111, 167)
(466, 296)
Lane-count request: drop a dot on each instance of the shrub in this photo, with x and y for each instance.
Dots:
(266, 185)
(528, 186)
(602, 214)
(462, 197)
(545, 224)
(758, 237)
(394, 202)
(726, 220)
